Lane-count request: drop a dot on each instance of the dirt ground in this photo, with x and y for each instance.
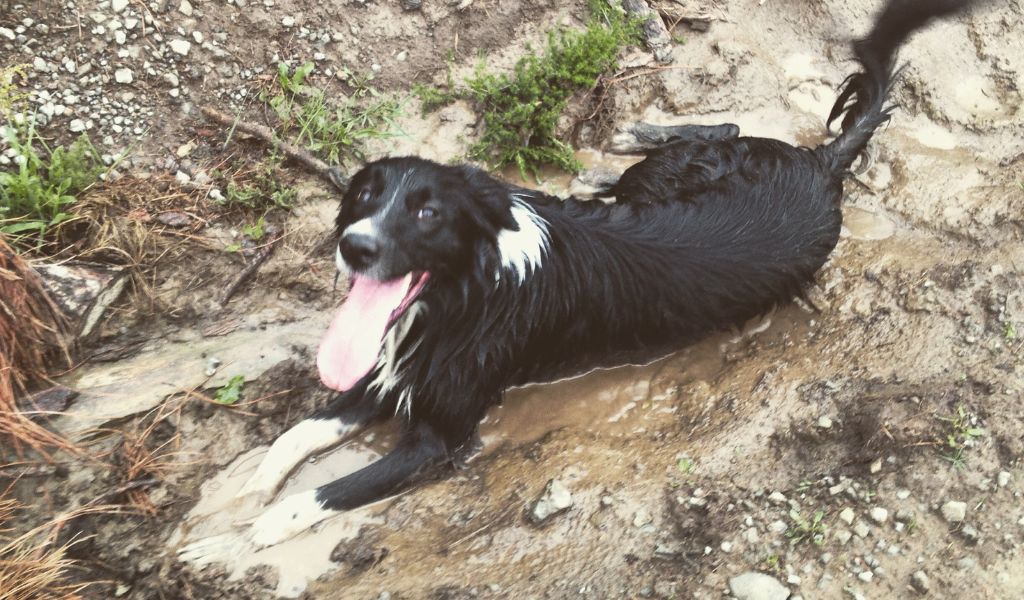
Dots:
(814, 448)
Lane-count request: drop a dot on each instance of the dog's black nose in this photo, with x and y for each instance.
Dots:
(359, 250)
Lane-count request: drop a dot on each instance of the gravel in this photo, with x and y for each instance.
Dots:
(879, 515)
(555, 499)
(954, 511)
(757, 586)
(920, 582)
(847, 515)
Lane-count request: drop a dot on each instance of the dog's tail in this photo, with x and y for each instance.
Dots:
(862, 100)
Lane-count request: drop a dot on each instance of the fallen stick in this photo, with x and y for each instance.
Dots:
(267, 135)
(252, 267)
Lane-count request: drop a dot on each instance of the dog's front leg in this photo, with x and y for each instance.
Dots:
(419, 449)
(338, 420)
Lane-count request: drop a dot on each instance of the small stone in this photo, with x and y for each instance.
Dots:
(726, 547)
(77, 126)
(904, 515)
(751, 535)
(847, 515)
(119, 5)
(122, 590)
(861, 529)
(198, 36)
(7, 34)
(174, 219)
(878, 514)
(954, 511)
(824, 422)
(757, 586)
(843, 536)
(902, 494)
(970, 533)
(778, 527)
(212, 364)
(182, 178)
(1003, 479)
(171, 79)
(777, 498)
(123, 76)
(288, 22)
(555, 499)
(875, 466)
(180, 46)
(39, 64)
(919, 581)
(825, 558)
(641, 518)
(402, 56)
(185, 8)
(866, 576)
(120, 37)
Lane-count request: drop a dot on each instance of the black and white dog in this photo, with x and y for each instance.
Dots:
(463, 286)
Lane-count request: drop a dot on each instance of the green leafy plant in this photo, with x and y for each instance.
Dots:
(263, 191)
(10, 95)
(255, 231)
(960, 434)
(37, 194)
(521, 109)
(330, 131)
(804, 530)
(231, 392)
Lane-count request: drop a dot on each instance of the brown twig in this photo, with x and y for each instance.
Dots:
(268, 137)
(251, 268)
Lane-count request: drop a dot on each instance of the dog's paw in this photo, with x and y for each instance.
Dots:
(215, 549)
(288, 518)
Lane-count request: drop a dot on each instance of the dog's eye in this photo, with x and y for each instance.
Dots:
(427, 212)
(364, 196)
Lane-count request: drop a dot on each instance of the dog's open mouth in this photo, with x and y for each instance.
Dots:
(351, 346)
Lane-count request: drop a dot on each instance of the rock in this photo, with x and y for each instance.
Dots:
(751, 535)
(866, 576)
(185, 8)
(180, 46)
(288, 22)
(174, 219)
(1003, 479)
(847, 515)
(39, 64)
(555, 499)
(843, 536)
(77, 126)
(119, 5)
(7, 34)
(903, 494)
(124, 76)
(861, 529)
(825, 422)
(878, 514)
(954, 511)
(726, 547)
(970, 533)
(757, 586)
(182, 178)
(777, 498)
(904, 515)
(778, 527)
(919, 581)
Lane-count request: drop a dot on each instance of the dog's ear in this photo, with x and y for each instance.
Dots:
(338, 179)
(492, 198)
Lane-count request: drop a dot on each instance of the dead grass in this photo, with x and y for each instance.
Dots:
(31, 348)
(33, 565)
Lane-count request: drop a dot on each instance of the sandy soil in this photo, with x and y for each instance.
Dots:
(683, 474)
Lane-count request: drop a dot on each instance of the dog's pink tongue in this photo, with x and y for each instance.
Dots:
(352, 343)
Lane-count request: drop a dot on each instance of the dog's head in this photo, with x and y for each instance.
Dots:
(405, 222)
(410, 215)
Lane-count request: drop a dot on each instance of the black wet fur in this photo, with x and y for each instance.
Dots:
(704, 235)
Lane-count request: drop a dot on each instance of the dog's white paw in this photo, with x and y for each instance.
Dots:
(215, 549)
(288, 451)
(288, 518)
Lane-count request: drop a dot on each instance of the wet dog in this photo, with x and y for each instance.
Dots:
(463, 286)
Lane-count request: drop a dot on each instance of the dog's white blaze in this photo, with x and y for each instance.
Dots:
(362, 227)
(290, 449)
(288, 518)
(522, 251)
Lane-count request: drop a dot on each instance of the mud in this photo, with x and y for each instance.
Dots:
(672, 466)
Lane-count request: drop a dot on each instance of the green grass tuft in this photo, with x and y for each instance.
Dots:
(36, 196)
(332, 132)
(521, 109)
